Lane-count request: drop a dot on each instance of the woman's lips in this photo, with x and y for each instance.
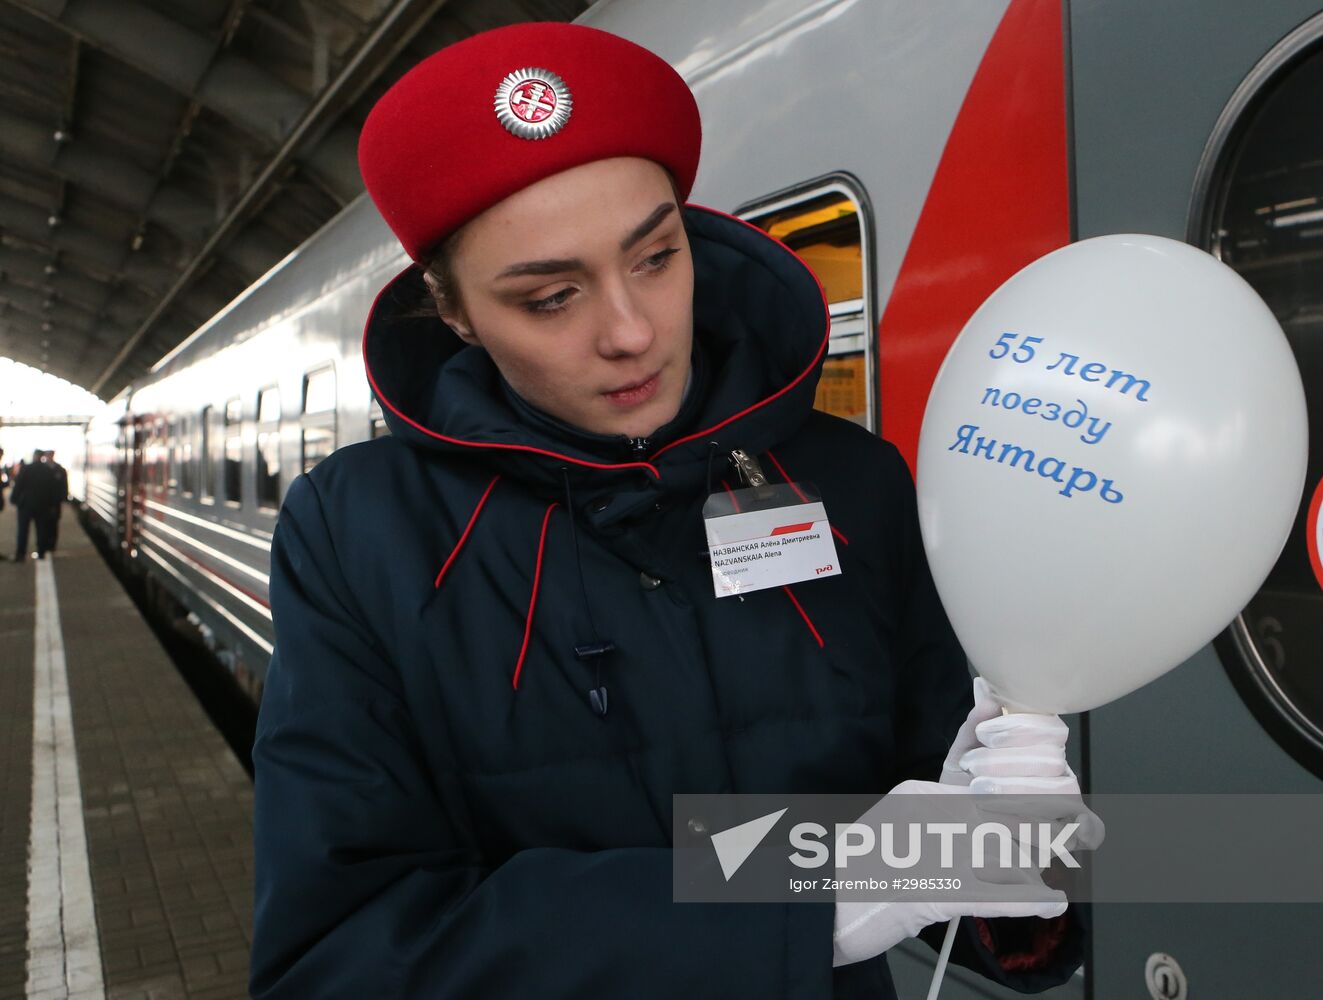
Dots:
(634, 395)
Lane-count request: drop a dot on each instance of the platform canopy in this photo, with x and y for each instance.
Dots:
(158, 156)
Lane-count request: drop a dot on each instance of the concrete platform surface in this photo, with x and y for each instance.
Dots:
(125, 820)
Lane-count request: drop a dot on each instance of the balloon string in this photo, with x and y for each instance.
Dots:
(942, 957)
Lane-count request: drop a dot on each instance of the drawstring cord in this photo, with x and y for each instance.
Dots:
(598, 648)
(712, 447)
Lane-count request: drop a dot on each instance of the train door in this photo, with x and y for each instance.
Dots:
(139, 431)
(1199, 120)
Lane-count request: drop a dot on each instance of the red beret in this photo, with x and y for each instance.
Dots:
(483, 118)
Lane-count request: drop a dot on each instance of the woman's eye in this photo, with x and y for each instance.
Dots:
(660, 260)
(551, 303)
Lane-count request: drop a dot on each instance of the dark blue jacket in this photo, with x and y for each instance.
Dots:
(442, 812)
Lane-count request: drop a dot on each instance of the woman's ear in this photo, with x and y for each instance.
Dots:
(450, 314)
(457, 322)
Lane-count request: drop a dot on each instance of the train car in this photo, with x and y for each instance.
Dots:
(188, 467)
(916, 153)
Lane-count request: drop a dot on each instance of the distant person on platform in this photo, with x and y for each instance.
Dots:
(36, 491)
(4, 479)
(61, 495)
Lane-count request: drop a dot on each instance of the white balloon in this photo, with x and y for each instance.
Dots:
(1141, 520)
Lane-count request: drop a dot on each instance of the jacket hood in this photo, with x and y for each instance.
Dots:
(760, 336)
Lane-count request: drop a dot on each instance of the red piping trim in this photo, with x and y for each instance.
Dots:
(803, 614)
(985, 934)
(800, 493)
(464, 537)
(785, 477)
(730, 493)
(532, 600)
(822, 350)
(1047, 936)
(376, 389)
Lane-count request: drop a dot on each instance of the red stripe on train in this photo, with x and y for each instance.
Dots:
(1000, 199)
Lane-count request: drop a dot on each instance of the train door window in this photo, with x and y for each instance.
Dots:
(1259, 207)
(378, 421)
(318, 430)
(268, 448)
(159, 458)
(828, 222)
(233, 462)
(208, 467)
(187, 484)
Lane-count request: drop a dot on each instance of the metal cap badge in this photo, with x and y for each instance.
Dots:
(533, 103)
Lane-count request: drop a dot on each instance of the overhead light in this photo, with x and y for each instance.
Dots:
(54, 220)
(1298, 203)
(1297, 219)
(62, 134)
(45, 328)
(137, 241)
(51, 268)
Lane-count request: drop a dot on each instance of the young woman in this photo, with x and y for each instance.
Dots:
(499, 648)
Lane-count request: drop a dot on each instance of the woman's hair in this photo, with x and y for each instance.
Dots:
(439, 275)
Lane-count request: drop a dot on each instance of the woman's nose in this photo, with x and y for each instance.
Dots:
(626, 328)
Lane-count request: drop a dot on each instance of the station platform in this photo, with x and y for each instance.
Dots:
(125, 820)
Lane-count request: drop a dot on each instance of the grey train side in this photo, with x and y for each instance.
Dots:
(186, 470)
(1192, 119)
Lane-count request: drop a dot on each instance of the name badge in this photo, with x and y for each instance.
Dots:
(768, 537)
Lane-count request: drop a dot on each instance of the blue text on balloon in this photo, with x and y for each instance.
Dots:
(1092, 371)
(1049, 411)
(1080, 480)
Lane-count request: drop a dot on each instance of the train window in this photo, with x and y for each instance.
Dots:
(187, 479)
(318, 432)
(827, 223)
(319, 391)
(233, 450)
(159, 454)
(378, 421)
(208, 490)
(1261, 199)
(268, 448)
(172, 459)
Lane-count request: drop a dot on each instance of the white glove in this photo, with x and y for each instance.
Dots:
(1025, 745)
(865, 929)
(1020, 754)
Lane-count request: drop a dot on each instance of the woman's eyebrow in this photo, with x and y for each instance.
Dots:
(541, 267)
(647, 225)
(559, 266)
